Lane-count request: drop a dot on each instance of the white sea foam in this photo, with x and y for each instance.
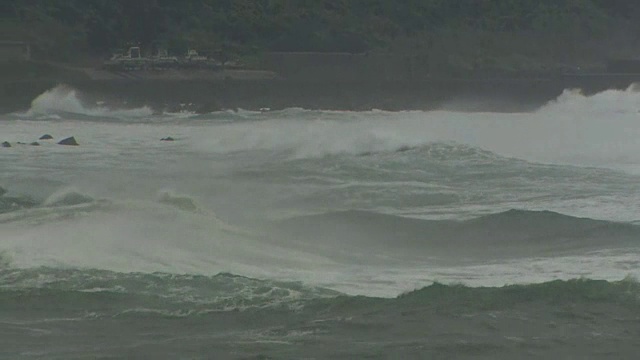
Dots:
(598, 130)
(267, 163)
(65, 100)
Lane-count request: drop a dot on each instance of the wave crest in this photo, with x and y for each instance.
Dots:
(514, 233)
(181, 202)
(112, 294)
(574, 101)
(64, 100)
(626, 291)
(157, 293)
(67, 197)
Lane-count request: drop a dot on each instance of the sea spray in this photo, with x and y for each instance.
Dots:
(133, 272)
(64, 100)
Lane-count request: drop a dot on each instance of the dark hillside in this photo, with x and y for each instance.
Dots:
(457, 36)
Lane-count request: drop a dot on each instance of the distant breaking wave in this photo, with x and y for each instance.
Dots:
(575, 102)
(583, 131)
(64, 101)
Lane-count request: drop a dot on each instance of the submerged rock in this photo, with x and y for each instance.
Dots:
(168, 138)
(2, 191)
(35, 143)
(6, 144)
(70, 141)
(46, 137)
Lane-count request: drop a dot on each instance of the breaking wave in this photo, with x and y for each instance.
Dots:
(97, 294)
(181, 202)
(574, 101)
(169, 233)
(159, 293)
(577, 129)
(67, 197)
(596, 130)
(575, 291)
(64, 101)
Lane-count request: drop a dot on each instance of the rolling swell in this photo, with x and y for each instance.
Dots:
(574, 291)
(241, 317)
(105, 293)
(199, 294)
(511, 233)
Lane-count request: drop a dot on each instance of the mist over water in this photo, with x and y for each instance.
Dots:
(316, 204)
(245, 169)
(573, 129)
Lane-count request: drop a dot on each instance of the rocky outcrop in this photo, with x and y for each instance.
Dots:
(46, 137)
(6, 144)
(35, 143)
(168, 138)
(70, 141)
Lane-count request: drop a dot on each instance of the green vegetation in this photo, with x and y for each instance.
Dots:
(456, 35)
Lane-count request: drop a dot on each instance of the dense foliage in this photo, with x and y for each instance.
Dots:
(554, 30)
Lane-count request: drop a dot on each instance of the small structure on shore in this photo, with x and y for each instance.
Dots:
(134, 60)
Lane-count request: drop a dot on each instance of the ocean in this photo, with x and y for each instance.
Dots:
(300, 234)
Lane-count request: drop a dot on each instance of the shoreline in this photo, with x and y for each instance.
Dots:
(208, 95)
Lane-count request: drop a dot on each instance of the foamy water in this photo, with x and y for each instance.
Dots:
(312, 202)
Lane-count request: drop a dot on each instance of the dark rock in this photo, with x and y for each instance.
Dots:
(168, 138)
(6, 144)
(21, 143)
(35, 143)
(2, 191)
(70, 141)
(46, 137)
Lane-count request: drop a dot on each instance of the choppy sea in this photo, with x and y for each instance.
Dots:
(299, 234)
